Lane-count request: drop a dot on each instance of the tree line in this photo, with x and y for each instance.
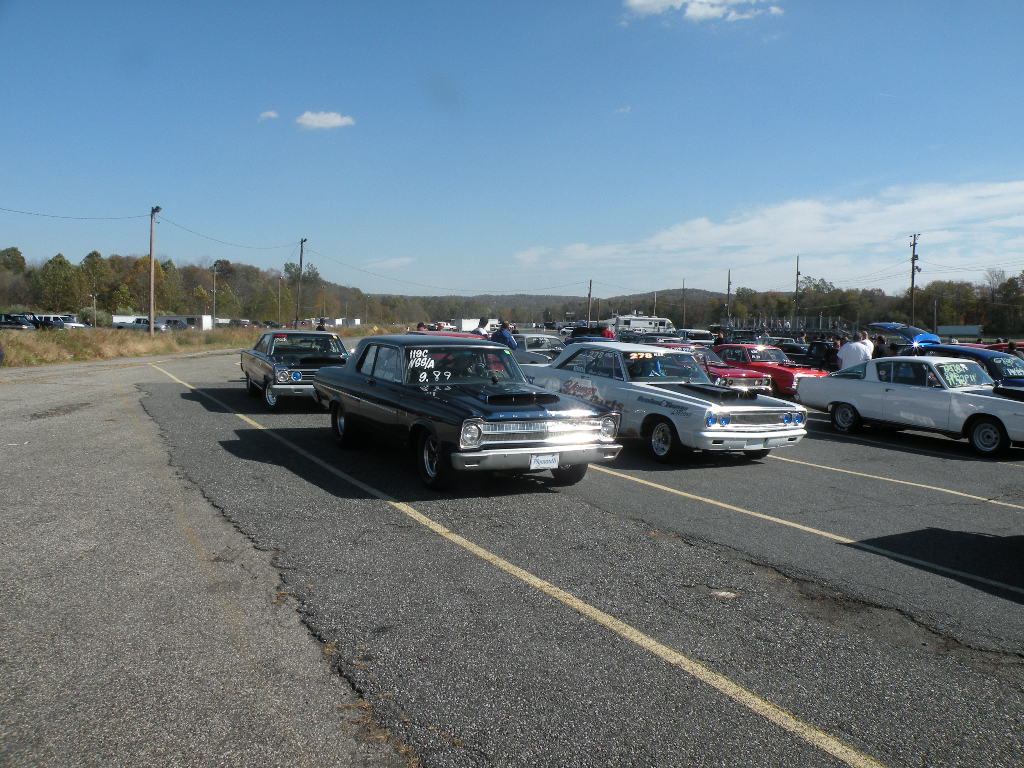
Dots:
(120, 285)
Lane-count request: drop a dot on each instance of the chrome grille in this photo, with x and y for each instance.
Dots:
(548, 431)
(769, 419)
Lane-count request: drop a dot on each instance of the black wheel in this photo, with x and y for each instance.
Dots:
(759, 454)
(663, 441)
(432, 462)
(987, 436)
(569, 474)
(251, 389)
(269, 398)
(845, 418)
(340, 426)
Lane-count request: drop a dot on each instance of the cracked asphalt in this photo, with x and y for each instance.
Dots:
(198, 591)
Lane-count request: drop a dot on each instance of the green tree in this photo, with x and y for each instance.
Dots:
(11, 258)
(58, 286)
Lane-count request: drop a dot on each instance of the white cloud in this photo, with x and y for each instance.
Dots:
(390, 263)
(270, 114)
(864, 242)
(324, 120)
(704, 10)
(623, 110)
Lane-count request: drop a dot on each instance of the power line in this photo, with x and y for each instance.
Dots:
(76, 218)
(225, 242)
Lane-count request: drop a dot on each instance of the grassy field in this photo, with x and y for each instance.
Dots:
(83, 344)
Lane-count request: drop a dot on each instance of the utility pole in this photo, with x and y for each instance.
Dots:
(728, 300)
(298, 287)
(914, 269)
(684, 303)
(796, 293)
(215, 295)
(279, 279)
(152, 270)
(590, 298)
(655, 312)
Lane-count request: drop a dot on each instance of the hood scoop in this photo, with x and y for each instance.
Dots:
(515, 395)
(711, 392)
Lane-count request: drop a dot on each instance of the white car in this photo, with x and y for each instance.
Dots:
(667, 400)
(948, 395)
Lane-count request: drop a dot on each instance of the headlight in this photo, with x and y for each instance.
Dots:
(609, 426)
(724, 419)
(798, 418)
(719, 382)
(471, 435)
(787, 418)
(711, 420)
(283, 376)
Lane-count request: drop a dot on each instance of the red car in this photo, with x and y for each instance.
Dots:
(722, 373)
(771, 361)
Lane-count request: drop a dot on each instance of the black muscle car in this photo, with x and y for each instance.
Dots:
(463, 405)
(285, 363)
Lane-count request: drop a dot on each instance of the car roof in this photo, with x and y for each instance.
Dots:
(750, 346)
(296, 331)
(432, 340)
(979, 352)
(621, 346)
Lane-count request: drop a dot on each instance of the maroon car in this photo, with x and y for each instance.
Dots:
(720, 372)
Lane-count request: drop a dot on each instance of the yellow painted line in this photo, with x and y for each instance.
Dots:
(771, 712)
(949, 491)
(816, 531)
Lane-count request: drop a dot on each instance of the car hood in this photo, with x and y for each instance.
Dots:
(309, 361)
(512, 400)
(730, 372)
(908, 332)
(711, 392)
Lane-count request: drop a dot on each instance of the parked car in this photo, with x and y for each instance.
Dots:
(1005, 369)
(464, 406)
(948, 395)
(822, 354)
(141, 324)
(667, 400)
(720, 372)
(697, 335)
(15, 323)
(784, 373)
(62, 321)
(285, 363)
(536, 347)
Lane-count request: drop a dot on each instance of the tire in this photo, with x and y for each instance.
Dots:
(569, 474)
(269, 398)
(987, 436)
(758, 454)
(663, 441)
(845, 418)
(341, 427)
(251, 389)
(432, 462)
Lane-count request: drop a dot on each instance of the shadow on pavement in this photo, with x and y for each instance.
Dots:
(993, 564)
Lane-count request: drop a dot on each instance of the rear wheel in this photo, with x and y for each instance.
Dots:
(663, 441)
(341, 427)
(270, 399)
(845, 418)
(433, 463)
(987, 436)
(569, 474)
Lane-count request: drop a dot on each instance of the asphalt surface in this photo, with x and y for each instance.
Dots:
(844, 602)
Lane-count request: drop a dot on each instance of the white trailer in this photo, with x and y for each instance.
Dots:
(192, 322)
(640, 323)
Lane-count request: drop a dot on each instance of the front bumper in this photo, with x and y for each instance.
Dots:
(293, 390)
(718, 440)
(519, 458)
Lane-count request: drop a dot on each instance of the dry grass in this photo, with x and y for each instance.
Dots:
(25, 348)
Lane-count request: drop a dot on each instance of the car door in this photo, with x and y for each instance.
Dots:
(914, 396)
(385, 388)
(358, 406)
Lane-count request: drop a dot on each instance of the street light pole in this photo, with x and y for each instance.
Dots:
(152, 269)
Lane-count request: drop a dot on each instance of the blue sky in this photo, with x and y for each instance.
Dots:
(483, 147)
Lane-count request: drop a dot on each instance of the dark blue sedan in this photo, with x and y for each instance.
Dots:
(1006, 369)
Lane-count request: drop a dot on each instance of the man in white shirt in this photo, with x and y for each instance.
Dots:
(855, 351)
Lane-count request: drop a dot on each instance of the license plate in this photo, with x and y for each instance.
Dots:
(544, 461)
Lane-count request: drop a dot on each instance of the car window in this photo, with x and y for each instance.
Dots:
(1009, 367)
(262, 344)
(853, 372)
(604, 364)
(658, 367)
(576, 362)
(884, 371)
(963, 374)
(387, 365)
(442, 365)
(366, 362)
(911, 374)
(768, 355)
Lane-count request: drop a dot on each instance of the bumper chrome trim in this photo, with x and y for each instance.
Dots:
(519, 458)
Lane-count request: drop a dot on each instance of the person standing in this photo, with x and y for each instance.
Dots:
(607, 332)
(504, 336)
(481, 329)
(853, 352)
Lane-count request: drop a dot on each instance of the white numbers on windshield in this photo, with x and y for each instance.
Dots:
(428, 377)
(420, 358)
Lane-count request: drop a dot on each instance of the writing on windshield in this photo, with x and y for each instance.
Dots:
(434, 365)
(966, 374)
(652, 366)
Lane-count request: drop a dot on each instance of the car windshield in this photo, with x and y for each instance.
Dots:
(709, 356)
(461, 365)
(664, 367)
(1009, 367)
(306, 345)
(768, 355)
(963, 374)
